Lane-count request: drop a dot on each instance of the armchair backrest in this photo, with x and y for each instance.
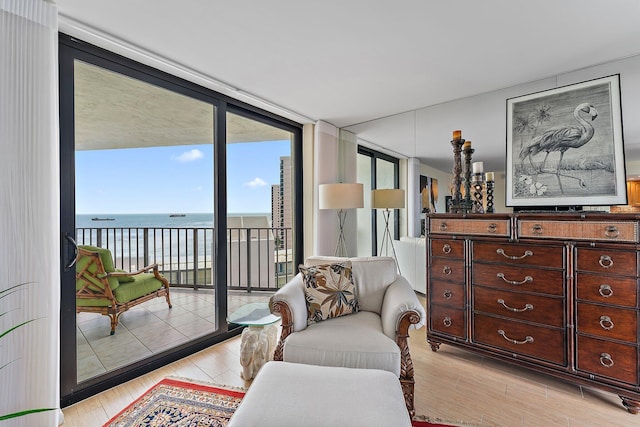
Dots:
(92, 265)
(371, 276)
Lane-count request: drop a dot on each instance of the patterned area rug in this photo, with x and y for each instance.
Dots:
(180, 403)
(185, 403)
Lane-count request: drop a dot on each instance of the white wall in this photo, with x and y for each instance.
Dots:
(483, 119)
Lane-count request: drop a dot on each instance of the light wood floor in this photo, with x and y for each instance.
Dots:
(451, 385)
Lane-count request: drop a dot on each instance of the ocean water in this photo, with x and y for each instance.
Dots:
(123, 235)
(189, 220)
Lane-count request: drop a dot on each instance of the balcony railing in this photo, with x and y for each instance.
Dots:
(257, 258)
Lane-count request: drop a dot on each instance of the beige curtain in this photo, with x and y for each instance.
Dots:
(29, 218)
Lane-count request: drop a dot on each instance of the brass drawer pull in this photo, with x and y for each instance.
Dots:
(447, 294)
(536, 229)
(443, 226)
(515, 282)
(605, 261)
(612, 231)
(527, 339)
(446, 270)
(606, 360)
(446, 248)
(605, 290)
(447, 322)
(606, 323)
(492, 228)
(527, 253)
(515, 310)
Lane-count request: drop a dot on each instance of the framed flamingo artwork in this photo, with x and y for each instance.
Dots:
(565, 147)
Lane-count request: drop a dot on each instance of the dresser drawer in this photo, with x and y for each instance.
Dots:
(608, 322)
(447, 248)
(448, 320)
(509, 253)
(612, 360)
(447, 269)
(532, 308)
(610, 231)
(607, 261)
(517, 278)
(606, 289)
(487, 227)
(516, 337)
(447, 225)
(447, 293)
(613, 231)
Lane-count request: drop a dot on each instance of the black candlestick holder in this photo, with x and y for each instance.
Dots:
(468, 202)
(478, 184)
(489, 189)
(456, 205)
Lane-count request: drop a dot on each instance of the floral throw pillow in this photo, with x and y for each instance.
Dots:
(329, 291)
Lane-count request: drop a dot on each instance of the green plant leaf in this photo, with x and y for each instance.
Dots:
(8, 363)
(16, 327)
(13, 288)
(23, 413)
(7, 312)
(4, 293)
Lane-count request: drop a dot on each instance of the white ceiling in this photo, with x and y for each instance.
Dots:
(351, 61)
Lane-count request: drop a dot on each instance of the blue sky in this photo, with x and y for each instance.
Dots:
(176, 179)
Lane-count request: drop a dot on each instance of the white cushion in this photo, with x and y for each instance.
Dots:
(371, 275)
(353, 341)
(291, 395)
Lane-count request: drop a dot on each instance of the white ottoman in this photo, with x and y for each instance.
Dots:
(293, 394)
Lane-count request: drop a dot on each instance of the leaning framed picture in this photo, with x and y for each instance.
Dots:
(565, 147)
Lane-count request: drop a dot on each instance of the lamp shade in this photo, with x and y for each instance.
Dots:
(389, 198)
(341, 196)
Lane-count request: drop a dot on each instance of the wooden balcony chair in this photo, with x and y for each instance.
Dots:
(323, 324)
(100, 288)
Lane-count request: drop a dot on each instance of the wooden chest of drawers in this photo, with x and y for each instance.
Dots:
(558, 293)
(448, 314)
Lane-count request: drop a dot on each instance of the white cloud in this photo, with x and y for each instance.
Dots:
(257, 182)
(190, 156)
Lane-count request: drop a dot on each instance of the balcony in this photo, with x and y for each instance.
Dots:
(258, 258)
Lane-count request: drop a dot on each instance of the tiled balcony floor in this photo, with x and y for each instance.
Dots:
(149, 328)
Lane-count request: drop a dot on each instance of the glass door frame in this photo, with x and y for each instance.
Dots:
(374, 156)
(70, 50)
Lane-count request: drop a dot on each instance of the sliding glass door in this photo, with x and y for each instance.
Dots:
(260, 192)
(144, 191)
(145, 160)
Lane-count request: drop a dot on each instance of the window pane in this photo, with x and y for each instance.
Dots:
(144, 190)
(385, 178)
(364, 215)
(259, 210)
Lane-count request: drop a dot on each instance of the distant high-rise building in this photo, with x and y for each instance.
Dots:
(281, 215)
(275, 205)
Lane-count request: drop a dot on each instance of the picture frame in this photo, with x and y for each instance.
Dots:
(565, 147)
(428, 194)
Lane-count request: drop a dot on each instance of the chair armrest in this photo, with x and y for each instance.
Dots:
(399, 300)
(132, 273)
(292, 294)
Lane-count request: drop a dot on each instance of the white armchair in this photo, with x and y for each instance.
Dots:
(376, 337)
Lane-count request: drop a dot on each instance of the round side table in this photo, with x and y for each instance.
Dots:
(258, 340)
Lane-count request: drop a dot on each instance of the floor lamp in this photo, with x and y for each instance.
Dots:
(341, 197)
(387, 199)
